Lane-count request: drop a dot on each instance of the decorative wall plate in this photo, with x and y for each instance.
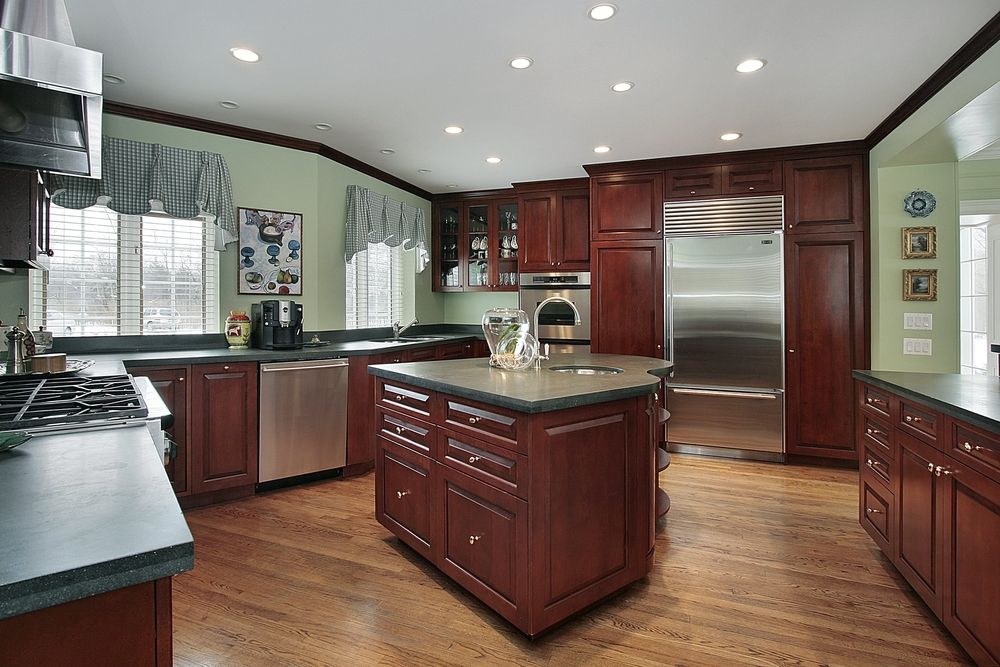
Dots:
(919, 203)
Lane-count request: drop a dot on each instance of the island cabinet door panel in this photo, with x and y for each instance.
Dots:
(172, 386)
(919, 519)
(877, 512)
(626, 206)
(824, 195)
(536, 234)
(971, 544)
(825, 337)
(224, 426)
(627, 298)
(403, 495)
(485, 543)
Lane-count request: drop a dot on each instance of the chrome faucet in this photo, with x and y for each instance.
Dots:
(538, 310)
(397, 330)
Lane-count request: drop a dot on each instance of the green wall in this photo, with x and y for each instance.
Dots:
(272, 177)
(468, 308)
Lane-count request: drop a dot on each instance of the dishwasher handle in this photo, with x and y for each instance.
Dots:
(279, 368)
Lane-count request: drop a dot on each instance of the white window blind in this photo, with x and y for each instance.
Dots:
(115, 274)
(375, 287)
(974, 297)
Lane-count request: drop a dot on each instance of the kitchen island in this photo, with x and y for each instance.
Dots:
(533, 490)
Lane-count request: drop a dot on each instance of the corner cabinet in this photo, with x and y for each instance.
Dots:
(476, 243)
(555, 226)
(824, 195)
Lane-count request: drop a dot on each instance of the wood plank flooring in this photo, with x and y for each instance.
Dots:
(757, 564)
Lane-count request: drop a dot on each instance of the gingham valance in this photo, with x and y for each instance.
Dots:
(139, 178)
(374, 218)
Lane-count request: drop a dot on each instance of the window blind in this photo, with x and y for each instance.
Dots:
(375, 287)
(115, 274)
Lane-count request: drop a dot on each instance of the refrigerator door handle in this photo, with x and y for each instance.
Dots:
(669, 288)
(731, 394)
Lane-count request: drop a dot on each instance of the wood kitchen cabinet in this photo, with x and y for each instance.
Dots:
(626, 206)
(476, 242)
(824, 195)
(25, 240)
(627, 298)
(172, 386)
(554, 226)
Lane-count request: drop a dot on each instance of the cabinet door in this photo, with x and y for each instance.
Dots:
(505, 242)
(693, 182)
(918, 553)
(451, 351)
(751, 179)
(172, 386)
(572, 231)
(403, 495)
(537, 216)
(825, 195)
(485, 546)
(477, 247)
(24, 227)
(626, 206)
(825, 336)
(448, 239)
(971, 543)
(223, 426)
(627, 298)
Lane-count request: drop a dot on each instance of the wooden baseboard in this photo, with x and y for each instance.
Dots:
(202, 499)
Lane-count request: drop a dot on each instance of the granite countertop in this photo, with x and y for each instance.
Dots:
(533, 390)
(972, 398)
(85, 513)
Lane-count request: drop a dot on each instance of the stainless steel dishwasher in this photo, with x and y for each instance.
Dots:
(303, 418)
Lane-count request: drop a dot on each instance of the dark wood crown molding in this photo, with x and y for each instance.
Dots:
(979, 44)
(499, 193)
(262, 137)
(554, 184)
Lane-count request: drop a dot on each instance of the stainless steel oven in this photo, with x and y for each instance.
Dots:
(557, 320)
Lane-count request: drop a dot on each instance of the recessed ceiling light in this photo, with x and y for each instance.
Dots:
(423, 171)
(453, 129)
(387, 151)
(623, 86)
(731, 136)
(602, 149)
(244, 55)
(751, 65)
(452, 185)
(229, 104)
(323, 127)
(111, 78)
(602, 12)
(493, 159)
(521, 62)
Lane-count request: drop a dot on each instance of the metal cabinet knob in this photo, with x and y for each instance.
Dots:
(969, 447)
(911, 418)
(473, 459)
(939, 470)
(400, 494)
(751, 188)
(872, 463)
(180, 379)
(790, 351)
(694, 192)
(870, 431)
(930, 467)
(473, 420)
(399, 430)
(474, 538)
(872, 511)
(225, 368)
(399, 397)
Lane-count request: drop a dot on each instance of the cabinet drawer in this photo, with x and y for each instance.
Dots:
(876, 513)
(454, 351)
(403, 494)
(976, 449)
(693, 182)
(428, 353)
(404, 398)
(487, 422)
(486, 462)
(875, 432)
(406, 431)
(875, 401)
(918, 420)
(878, 464)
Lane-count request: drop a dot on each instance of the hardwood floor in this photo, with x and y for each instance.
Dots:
(756, 564)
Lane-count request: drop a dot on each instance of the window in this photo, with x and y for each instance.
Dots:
(375, 287)
(974, 299)
(115, 274)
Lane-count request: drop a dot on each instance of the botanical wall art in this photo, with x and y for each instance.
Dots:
(919, 242)
(270, 252)
(919, 284)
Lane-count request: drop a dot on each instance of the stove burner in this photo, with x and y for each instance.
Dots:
(34, 402)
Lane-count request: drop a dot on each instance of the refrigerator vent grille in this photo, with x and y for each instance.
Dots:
(723, 216)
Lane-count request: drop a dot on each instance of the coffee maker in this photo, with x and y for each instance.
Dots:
(277, 325)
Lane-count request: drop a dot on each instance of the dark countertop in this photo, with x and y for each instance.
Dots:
(533, 390)
(86, 513)
(972, 398)
(155, 406)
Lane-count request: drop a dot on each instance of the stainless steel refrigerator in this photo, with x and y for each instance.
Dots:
(724, 317)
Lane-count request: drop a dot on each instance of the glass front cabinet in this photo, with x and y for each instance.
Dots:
(475, 245)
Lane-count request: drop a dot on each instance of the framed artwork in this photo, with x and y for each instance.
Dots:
(919, 242)
(270, 252)
(919, 284)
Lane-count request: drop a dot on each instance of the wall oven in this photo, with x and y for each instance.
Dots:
(556, 320)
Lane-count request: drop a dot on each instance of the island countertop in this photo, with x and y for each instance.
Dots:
(533, 391)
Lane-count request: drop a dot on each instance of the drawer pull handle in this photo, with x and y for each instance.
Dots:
(969, 447)
(911, 418)
(938, 471)
(930, 467)
(180, 379)
(473, 420)
(400, 494)
(399, 430)
(474, 538)
(399, 397)
(873, 464)
(872, 511)
(225, 368)
(473, 459)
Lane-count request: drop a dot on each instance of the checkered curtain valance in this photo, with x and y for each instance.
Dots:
(139, 178)
(374, 218)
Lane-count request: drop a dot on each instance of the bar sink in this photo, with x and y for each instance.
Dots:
(579, 369)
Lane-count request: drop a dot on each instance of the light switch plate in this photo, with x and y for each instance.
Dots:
(921, 346)
(918, 321)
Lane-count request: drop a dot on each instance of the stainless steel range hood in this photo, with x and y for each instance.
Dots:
(50, 91)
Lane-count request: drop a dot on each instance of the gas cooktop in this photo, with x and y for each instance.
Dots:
(33, 402)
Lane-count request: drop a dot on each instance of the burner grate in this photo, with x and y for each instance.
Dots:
(29, 403)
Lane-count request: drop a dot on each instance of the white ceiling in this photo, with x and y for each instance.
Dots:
(394, 73)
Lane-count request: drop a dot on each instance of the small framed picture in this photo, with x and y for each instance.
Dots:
(919, 243)
(919, 284)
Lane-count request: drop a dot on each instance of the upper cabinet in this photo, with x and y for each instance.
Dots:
(626, 206)
(693, 182)
(476, 244)
(727, 179)
(555, 226)
(24, 226)
(825, 195)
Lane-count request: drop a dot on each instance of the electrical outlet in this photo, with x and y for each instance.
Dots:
(918, 321)
(921, 346)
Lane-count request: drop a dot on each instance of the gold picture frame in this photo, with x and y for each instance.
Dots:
(919, 284)
(919, 243)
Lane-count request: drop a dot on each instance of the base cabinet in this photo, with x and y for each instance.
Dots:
(172, 386)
